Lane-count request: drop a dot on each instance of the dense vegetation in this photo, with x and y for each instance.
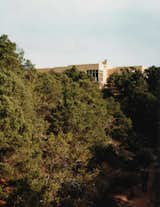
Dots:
(66, 143)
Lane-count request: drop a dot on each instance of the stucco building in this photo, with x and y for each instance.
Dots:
(100, 71)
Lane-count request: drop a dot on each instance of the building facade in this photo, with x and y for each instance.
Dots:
(99, 72)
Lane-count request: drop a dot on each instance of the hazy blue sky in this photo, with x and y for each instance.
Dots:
(61, 32)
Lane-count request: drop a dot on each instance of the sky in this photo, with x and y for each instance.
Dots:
(62, 32)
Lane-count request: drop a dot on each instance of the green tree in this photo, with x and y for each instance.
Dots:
(132, 91)
(9, 57)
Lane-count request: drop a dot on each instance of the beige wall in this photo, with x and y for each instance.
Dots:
(104, 71)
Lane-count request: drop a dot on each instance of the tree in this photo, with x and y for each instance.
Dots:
(9, 58)
(152, 76)
(137, 102)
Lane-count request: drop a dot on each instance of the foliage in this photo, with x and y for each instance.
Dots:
(64, 142)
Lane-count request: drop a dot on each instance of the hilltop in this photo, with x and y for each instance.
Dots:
(66, 143)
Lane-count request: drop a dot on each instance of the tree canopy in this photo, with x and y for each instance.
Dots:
(66, 143)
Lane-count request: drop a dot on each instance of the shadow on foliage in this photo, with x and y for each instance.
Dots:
(23, 195)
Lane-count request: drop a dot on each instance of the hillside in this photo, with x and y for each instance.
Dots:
(66, 143)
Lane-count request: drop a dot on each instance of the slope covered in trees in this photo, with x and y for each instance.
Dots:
(65, 143)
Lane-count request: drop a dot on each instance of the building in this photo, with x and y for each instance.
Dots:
(100, 71)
